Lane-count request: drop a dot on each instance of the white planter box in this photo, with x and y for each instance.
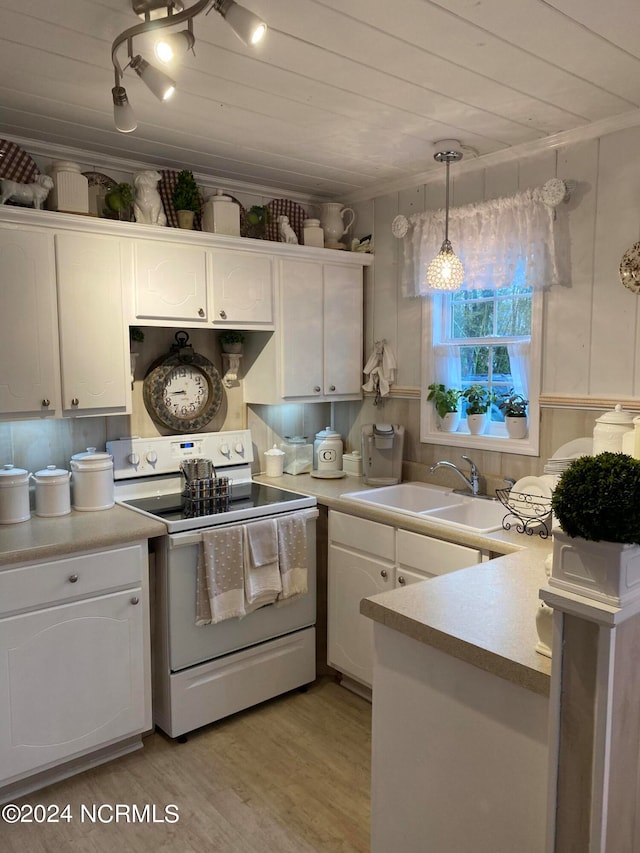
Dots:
(605, 571)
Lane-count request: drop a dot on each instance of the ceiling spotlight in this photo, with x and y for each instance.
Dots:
(249, 28)
(174, 45)
(157, 81)
(123, 115)
(445, 272)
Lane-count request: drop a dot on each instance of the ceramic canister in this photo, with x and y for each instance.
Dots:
(92, 480)
(53, 495)
(221, 215)
(274, 460)
(327, 451)
(14, 495)
(609, 430)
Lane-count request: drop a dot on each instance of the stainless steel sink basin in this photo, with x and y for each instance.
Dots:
(414, 498)
(444, 506)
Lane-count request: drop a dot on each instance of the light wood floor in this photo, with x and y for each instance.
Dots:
(289, 776)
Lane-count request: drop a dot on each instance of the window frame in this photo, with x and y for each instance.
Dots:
(499, 441)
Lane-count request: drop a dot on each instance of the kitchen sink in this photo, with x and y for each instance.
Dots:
(414, 498)
(476, 514)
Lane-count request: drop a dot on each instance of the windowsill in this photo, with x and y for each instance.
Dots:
(498, 441)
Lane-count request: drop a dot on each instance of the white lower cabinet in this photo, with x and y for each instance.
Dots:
(366, 558)
(75, 676)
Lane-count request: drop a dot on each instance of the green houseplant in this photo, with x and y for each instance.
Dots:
(446, 402)
(478, 399)
(597, 549)
(118, 202)
(258, 217)
(186, 198)
(231, 341)
(514, 408)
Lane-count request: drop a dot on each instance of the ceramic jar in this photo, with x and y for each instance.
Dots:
(92, 480)
(332, 215)
(327, 451)
(70, 191)
(274, 460)
(312, 233)
(221, 215)
(14, 495)
(53, 495)
(609, 430)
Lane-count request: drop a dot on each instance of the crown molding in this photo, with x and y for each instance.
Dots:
(516, 152)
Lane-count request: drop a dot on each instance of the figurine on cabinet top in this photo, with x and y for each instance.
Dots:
(286, 232)
(147, 205)
(35, 193)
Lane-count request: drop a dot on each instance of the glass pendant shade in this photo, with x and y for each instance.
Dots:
(249, 28)
(123, 115)
(156, 81)
(174, 46)
(445, 272)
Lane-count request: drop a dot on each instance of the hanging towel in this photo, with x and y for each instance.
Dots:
(220, 578)
(262, 583)
(292, 554)
(381, 370)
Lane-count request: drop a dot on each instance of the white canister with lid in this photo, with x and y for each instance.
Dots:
(312, 233)
(14, 495)
(327, 451)
(609, 430)
(221, 215)
(92, 480)
(274, 460)
(53, 495)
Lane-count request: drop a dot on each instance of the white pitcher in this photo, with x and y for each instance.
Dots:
(332, 220)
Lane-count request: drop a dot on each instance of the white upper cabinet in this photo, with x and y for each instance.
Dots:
(342, 330)
(301, 331)
(29, 379)
(93, 345)
(242, 288)
(170, 282)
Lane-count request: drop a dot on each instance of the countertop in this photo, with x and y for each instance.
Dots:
(484, 615)
(52, 538)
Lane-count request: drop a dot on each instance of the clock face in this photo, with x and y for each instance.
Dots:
(186, 392)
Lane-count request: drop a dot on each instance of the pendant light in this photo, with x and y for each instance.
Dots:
(445, 272)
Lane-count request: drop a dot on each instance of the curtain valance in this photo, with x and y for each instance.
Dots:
(495, 240)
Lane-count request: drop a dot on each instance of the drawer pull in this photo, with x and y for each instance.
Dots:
(73, 578)
(401, 579)
(135, 600)
(384, 574)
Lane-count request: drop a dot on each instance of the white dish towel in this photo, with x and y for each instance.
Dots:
(220, 578)
(262, 583)
(292, 555)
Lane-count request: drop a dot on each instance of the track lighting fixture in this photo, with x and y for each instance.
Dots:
(160, 14)
(445, 272)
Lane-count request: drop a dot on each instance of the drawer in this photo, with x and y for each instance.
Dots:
(369, 537)
(433, 556)
(43, 584)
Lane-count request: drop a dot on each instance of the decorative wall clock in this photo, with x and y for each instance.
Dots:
(182, 390)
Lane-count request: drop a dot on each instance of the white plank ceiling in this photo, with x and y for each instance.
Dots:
(343, 95)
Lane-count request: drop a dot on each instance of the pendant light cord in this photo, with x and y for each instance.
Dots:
(446, 204)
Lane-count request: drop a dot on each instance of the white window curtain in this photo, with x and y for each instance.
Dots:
(494, 240)
(446, 365)
(519, 360)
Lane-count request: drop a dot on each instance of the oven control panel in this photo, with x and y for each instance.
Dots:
(162, 454)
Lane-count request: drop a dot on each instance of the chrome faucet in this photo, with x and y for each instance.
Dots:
(472, 481)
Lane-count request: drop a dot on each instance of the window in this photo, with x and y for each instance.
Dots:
(489, 338)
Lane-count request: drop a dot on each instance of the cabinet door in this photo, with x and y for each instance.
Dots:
(170, 282)
(301, 333)
(28, 324)
(342, 330)
(93, 346)
(242, 285)
(72, 678)
(352, 577)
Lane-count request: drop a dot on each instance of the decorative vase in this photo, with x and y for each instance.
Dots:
(185, 219)
(450, 422)
(332, 220)
(516, 427)
(477, 423)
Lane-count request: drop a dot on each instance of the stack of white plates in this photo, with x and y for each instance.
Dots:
(565, 455)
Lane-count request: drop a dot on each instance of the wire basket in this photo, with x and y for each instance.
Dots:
(526, 513)
(206, 496)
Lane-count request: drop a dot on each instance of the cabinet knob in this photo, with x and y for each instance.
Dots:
(384, 574)
(73, 578)
(135, 599)
(317, 389)
(46, 402)
(200, 312)
(401, 580)
(75, 401)
(223, 315)
(332, 387)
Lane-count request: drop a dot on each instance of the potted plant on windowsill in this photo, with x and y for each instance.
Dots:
(231, 341)
(447, 402)
(514, 408)
(478, 400)
(186, 198)
(596, 553)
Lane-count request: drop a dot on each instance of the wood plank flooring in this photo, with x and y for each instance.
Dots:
(290, 776)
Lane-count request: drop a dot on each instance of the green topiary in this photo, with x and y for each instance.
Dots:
(231, 336)
(598, 498)
(186, 195)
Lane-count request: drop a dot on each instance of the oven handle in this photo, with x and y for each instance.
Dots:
(194, 537)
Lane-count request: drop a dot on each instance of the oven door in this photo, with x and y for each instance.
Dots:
(189, 644)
